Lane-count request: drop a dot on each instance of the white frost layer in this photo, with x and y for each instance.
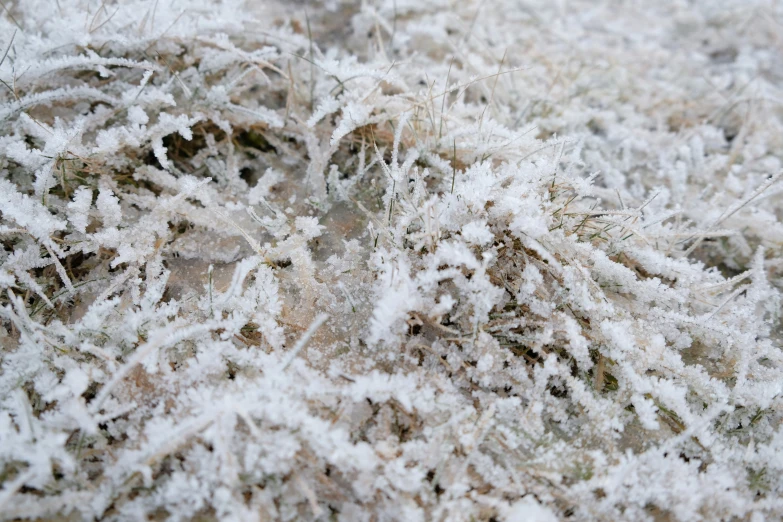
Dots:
(391, 260)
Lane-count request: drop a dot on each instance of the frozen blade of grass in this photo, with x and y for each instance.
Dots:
(9, 109)
(728, 282)
(252, 242)
(312, 62)
(734, 209)
(312, 499)
(60, 269)
(10, 43)
(161, 339)
(185, 431)
(10, 489)
(10, 15)
(210, 284)
(492, 95)
(729, 299)
(453, 164)
(304, 340)
(443, 101)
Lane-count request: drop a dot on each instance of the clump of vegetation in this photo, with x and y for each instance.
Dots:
(390, 261)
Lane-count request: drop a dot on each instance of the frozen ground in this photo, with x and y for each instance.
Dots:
(391, 260)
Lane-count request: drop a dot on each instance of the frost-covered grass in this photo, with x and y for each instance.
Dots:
(391, 260)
